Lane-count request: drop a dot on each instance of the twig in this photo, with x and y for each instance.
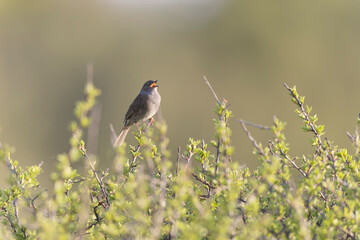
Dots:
(203, 181)
(331, 158)
(351, 137)
(256, 145)
(12, 224)
(101, 184)
(255, 125)
(306, 116)
(135, 156)
(212, 90)
(220, 139)
(270, 149)
(202, 148)
(188, 158)
(98, 219)
(178, 161)
(32, 200)
(13, 171)
(16, 211)
(15, 226)
(355, 140)
(217, 159)
(310, 123)
(357, 145)
(287, 158)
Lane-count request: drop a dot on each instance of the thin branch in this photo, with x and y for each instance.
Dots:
(32, 200)
(135, 156)
(222, 118)
(203, 181)
(357, 145)
(255, 125)
(188, 159)
(355, 140)
(331, 158)
(178, 161)
(15, 226)
(217, 159)
(202, 148)
(287, 158)
(6, 215)
(351, 137)
(309, 122)
(14, 172)
(256, 145)
(306, 116)
(16, 211)
(212, 90)
(101, 183)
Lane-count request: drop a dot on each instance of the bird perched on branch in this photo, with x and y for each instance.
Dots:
(144, 107)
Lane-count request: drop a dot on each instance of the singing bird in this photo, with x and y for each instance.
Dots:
(144, 107)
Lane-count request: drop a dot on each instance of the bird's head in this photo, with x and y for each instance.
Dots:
(149, 85)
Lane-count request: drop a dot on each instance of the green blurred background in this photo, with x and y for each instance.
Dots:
(247, 49)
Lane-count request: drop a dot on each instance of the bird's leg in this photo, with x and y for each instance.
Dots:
(150, 122)
(141, 132)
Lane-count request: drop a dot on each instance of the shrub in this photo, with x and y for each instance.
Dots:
(151, 195)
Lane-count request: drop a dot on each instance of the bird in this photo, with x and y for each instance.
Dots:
(144, 107)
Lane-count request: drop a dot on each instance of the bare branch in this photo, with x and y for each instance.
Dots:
(255, 125)
(32, 200)
(355, 140)
(16, 211)
(352, 139)
(188, 159)
(222, 118)
(217, 156)
(256, 145)
(212, 90)
(178, 162)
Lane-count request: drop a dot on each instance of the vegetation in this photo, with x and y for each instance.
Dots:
(201, 193)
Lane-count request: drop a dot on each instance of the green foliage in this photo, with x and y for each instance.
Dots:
(201, 193)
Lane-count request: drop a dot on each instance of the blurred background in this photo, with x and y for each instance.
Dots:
(246, 48)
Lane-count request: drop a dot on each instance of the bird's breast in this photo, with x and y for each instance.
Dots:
(153, 104)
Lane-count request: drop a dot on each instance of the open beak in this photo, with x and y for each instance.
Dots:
(154, 85)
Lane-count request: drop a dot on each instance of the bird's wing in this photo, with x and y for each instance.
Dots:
(137, 110)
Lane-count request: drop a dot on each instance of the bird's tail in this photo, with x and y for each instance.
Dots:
(120, 139)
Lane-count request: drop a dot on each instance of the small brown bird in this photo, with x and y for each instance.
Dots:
(144, 107)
